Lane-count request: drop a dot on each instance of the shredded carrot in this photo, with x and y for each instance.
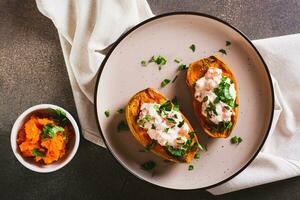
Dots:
(33, 144)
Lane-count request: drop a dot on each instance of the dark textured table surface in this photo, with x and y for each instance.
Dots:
(32, 71)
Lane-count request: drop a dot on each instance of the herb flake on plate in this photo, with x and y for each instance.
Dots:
(193, 47)
(107, 113)
(165, 82)
(121, 110)
(191, 167)
(228, 43)
(122, 126)
(176, 60)
(223, 51)
(236, 140)
(148, 165)
(182, 67)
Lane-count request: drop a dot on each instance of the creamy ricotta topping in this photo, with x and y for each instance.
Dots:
(166, 127)
(217, 94)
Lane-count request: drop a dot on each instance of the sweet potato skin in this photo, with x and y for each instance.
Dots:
(150, 95)
(197, 70)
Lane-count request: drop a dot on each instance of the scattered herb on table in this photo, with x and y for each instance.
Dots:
(122, 126)
(165, 82)
(148, 165)
(236, 140)
(228, 43)
(191, 167)
(182, 67)
(176, 60)
(193, 47)
(36, 152)
(223, 51)
(150, 146)
(107, 113)
(174, 79)
(144, 63)
(197, 155)
(121, 110)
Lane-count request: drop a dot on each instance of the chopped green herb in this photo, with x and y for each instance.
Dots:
(217, 100)
(193, 47)
(197, 155)
(205, 98)
(223, 51)
(176, 104)
(122, 126)
(37, 152)
(164, 82)
(121, 110)
(144, 63)
(59, 115)
(150, 146)
(148, 165)
(236, 140)
(228, 43)
(191, 167)
(177, 61)
(166, 130)
(153, 126)
(171, 120)
(174, 79)
(176, 152)
(165, 106)
(51, 130)
(182, 67)
(180, 124)
(222, 126)
(107, 113)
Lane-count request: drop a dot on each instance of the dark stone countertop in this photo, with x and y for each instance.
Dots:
(32, 71)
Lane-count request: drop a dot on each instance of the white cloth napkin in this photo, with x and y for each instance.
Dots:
(87, 28)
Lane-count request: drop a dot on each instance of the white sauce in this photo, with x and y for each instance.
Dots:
(160, 129)
(204, 88)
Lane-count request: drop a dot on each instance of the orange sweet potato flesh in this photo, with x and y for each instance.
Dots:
(197, 70)
(149, 95)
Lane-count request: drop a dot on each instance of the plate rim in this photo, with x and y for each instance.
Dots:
(124, 35)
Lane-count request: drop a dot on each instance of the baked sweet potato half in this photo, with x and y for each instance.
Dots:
(223, 94)
(133, 116)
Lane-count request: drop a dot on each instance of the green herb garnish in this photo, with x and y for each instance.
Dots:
(59, 115)
(122, 126)
(150, 146)
(51, 130)
(107, 113)
(165, 82)
(191, 167)
(228, 43)
(165, 106)
(182, 67)
(148, 165)
(223, 51)
(121, 110)
(180, 124)
(193, 47)
(205, 98)
(175, 103)
(158, 60)
(222, 126)
(171, 120)
(236, 140)
(37, 152)
(197, 155)
(143, 63)
(177, 61)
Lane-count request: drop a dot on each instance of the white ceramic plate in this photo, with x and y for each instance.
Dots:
(170, 35)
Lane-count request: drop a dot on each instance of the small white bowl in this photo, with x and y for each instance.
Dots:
(29, 162)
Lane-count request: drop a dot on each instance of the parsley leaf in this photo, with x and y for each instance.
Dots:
(122, 126)
(236, 140)
(107, 113)
(148, 165)
(228, 43)
(121, 110)
(37, 152)
(59, 115)
(177, 61)
(197, 155)
(51, 130)
(223, 51)
(171, 120)
(191, 167)
(165, 106)
(193, 47)
(143, 63)
(165, 82)
(182, 67)
(180, 124)
(176, 104)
